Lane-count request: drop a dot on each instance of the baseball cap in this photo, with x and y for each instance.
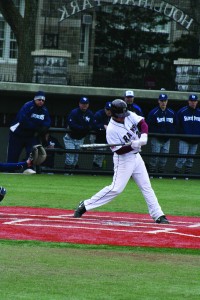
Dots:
(108, 105)
(129, 94)
(39, 95)
(162, 97)
(193, 97)
(84, 100)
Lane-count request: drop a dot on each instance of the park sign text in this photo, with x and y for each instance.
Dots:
(158, 6)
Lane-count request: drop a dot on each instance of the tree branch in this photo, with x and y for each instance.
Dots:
(12, 16)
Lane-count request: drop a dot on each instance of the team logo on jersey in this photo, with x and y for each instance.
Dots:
(128, 137)
(163, 119)
(134, 129)
(87, 119)
(191, 118)
(36, 116)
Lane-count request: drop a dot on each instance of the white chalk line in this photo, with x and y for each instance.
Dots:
(161, 230)
(101, 220)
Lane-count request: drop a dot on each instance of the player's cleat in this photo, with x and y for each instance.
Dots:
(29, 172)
(162, 220)
(80, 210)
(2, 193)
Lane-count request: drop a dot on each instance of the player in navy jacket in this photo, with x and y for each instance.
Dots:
(188, 122)
(161, 120)
(129, 99)
(80, 123)
(31, 122)
(101, 120)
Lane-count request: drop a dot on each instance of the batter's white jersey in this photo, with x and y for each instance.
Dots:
(126, 166)
(117, 133)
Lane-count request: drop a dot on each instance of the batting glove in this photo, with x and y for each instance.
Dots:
(2, 193)
(141, 142)
(135, 144)
(143, 139)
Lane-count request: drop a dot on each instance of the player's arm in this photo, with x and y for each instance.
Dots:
(24, 116)
(47, 119)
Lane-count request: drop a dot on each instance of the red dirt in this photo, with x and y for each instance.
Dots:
(120, 229)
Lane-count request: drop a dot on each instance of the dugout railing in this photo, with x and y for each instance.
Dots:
(86, 156)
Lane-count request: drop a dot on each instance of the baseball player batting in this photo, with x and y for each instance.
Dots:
(125, 127)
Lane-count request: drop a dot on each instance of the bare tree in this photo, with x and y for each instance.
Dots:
(23, 28)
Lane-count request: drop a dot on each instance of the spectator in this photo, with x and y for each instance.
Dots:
(101, 120)
(129, 99)
(188, 122)
(160, 120)
(31, 122)
(80, 122)
(50, 142)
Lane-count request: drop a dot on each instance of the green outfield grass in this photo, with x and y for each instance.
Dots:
(36, 270)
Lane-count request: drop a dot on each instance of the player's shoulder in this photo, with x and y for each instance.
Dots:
(45, 109)
(75, 111)
(99, 112)
(28, 103)
(134, 116)
(113, 125)
(89, 112)
(183, 110)
(136, 106)
(170, 110)
(28, 106)
(154, 110)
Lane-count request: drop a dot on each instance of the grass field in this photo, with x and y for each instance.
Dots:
(36, 270)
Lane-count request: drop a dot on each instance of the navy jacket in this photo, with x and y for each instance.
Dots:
(80, 123)
(163, 122)
(100, 119)
(30, 119)
(135, 108)
(188, 122)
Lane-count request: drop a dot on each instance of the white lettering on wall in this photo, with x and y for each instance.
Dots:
(187, 23)
(158, 6)
(86, 4)
(75, 7)
(64, 12)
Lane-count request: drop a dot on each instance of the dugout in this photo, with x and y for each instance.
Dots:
(61, 99)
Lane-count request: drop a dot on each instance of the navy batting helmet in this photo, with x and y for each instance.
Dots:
(119, 109)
